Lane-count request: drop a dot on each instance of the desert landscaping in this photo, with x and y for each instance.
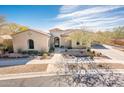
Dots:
(82, 56)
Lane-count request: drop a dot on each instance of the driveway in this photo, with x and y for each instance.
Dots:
(11, 62)
(109, 51)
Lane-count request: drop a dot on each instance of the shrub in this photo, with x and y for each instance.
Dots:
(10, 49)
(45, 55)
(99, 54)
(33, 52)
(66, 50)
(94, 53)
(43, 52)
(70, 47)
(88, 49)
(30, 52)
(51, 49)
(19, 50)
(61, 46)
(24, 52)
(3, 48)
(91, 54)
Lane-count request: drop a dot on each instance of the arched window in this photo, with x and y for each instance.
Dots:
(31, 44)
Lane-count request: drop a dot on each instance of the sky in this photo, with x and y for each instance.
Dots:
(45, 17)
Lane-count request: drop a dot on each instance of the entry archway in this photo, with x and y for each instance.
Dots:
(56, 41)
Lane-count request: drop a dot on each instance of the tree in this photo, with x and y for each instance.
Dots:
(103, 37)
(2, 48)
(82, 36)
(118, 32)
(2, 20)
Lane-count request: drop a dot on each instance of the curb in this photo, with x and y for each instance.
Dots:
(38, 74)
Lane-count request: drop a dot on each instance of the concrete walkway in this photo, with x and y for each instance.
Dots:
(57, 58)
(54, 67)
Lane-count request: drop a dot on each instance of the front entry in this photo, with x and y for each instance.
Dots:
(56, 41)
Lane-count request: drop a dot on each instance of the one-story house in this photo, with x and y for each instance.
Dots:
(42, 41)
(31, 40)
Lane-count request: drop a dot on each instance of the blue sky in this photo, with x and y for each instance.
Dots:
(45, 17)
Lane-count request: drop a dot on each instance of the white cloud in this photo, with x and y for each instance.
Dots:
(89, 11)
(87, 21)
(68, 8)
(94, 17)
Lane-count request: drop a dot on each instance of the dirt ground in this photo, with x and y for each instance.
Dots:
(44, 67)
(23, 69)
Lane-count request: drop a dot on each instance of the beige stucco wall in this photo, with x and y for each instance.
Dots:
(57, 34)
(1, 40)
(65, 42)
(74, 44)
(20, 41)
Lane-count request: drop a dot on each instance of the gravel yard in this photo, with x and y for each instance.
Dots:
(54, 81)
(102, 65)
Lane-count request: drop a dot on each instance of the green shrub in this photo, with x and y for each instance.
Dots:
(45, 55)
(70, 47)
(51, 49)
(3, 48)
(61, 46)
(30, 52)
(94, 53)
(24, 52)
(88, 49)
(91, 54)
(43, 52)
(33, 52)
(10, 49)
(19, 50)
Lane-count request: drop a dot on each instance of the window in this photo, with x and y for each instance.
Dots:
(78, 43)
(31, 44)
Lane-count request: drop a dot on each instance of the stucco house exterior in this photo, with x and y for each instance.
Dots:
(31, 40)
(61, 38)
(41, 41)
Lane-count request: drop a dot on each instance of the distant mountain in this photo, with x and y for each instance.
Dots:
(11, 28)
(55, 30)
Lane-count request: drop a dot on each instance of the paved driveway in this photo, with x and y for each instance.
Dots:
(10, 62)
(112, 53)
